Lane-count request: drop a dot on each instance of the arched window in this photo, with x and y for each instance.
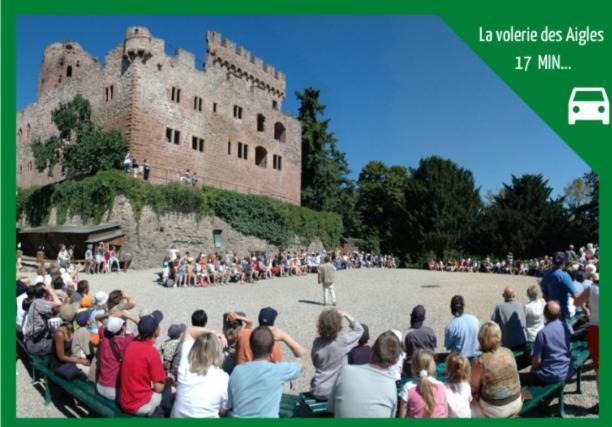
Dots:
(280, 132)
(30, 165)
(20, 135)
(261, 157)
(28, 131)
(69, 71)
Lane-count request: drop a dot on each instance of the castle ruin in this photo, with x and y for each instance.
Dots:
(224, 122)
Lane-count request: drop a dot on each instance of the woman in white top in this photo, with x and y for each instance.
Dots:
(534, 312)
(201, 384)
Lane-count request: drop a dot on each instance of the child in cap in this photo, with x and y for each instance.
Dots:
(169, 347)
(81, 340)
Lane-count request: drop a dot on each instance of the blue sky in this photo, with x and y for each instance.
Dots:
(397, 88)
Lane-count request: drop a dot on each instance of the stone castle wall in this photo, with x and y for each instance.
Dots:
(235, 101)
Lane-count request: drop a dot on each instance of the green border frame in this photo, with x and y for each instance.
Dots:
(545, 92)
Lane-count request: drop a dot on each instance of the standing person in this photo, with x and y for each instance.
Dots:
(368, 390)
(135, 168)
(325, 277)
(90, 262)
(256, 387)
(419, 336)
(461, 334)
(146, 169)
(425, 396)
(143, 378)
(330, 349)
(591, 294)
(510, 316)
(127, 163)
(558, 286)
(534, 313)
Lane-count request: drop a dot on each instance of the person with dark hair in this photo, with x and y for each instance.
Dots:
(330, 350)
(419, 336)
(142, 377)
(360, 355)
(267, 317)
(36, 333)
(82, 290)
(551, 358)
(557, 285)
(368, 391)
(59, 287)
(461, 334)
(256, 387)
(199, 318)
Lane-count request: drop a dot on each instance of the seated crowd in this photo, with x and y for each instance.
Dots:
(240, 370)
(184, 270)
(586, 255)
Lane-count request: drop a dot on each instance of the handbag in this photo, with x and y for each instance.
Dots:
(68, 371)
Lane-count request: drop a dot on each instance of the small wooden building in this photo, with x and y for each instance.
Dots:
(76, 237)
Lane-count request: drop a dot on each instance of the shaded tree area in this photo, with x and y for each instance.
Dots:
(81, 147)
(436, 209)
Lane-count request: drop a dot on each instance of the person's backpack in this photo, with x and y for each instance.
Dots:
(169, 282)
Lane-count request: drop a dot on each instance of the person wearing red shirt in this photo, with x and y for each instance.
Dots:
(142, 377)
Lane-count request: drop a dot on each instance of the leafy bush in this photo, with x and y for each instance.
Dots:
(260, 216)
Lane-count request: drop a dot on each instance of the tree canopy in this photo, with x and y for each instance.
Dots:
(81, 148)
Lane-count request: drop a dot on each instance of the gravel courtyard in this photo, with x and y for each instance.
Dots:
(380, 298)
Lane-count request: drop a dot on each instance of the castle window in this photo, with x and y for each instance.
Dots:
(20, 169)
(59, 80)
(243, 151)
(30, 165)
(197, 103)
(20, 135)
(28, 132)
(168, 135)
(261, 122)
(109, 92)
(277, 162)
(279, 132)
(177, 137)
(78, 64)
(197, 144)
(176, 94)
(261, 157)
(214, 107)
(237, 112)
(229, 148)
(274, 104)
(69, 71)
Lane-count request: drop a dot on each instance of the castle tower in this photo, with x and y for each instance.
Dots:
(62, 61)
(137, 44)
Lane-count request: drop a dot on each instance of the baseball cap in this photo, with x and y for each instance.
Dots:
(114, 324)
(148, 324)
(101, 298)
(267, 316)
(175, 331)
(86, 301)
(559, 258)
(417, 317)
(83, 316)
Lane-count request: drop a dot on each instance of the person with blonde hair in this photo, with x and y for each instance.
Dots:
(534, 312)
(495, 379)
(201, 390)
(458, 391)
(425, 396)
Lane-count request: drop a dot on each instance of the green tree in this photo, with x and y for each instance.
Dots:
(380, 206)
(81, 148)
(443, 206)
(577, 193)
(524, 219)
(325, 182)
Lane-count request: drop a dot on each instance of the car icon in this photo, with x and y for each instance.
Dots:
(588, 103)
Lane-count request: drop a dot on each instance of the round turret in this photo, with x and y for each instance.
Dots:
(137, 44)
(62, 61)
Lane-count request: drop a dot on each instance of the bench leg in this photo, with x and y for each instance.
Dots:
(33, 374)
(47, 391)
(579, 381)
(562, 413)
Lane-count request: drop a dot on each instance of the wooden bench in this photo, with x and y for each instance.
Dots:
(309, 406)
(288, 404)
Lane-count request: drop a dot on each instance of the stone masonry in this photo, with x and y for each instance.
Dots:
(224, 122)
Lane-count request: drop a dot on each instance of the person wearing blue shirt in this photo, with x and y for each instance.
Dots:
(557, 285)
(551, 358)
(461, 334)
(256, 387)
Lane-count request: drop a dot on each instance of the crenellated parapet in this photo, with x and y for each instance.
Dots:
(243, 64)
